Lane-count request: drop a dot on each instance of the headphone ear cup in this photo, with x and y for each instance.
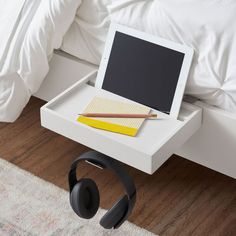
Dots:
(115, 214)
(85, 199)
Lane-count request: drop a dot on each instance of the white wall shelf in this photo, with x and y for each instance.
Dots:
(154, 144)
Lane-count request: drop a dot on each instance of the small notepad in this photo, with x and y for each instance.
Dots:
(128, 126)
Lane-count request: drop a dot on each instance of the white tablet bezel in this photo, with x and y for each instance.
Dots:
(187, 51)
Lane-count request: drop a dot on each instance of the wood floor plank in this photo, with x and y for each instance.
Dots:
(181, 198)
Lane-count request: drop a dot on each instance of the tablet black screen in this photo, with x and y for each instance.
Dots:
(143, 71)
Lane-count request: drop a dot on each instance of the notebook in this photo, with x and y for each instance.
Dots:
(127, 126)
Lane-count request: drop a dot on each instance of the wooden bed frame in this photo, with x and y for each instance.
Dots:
(213, 145)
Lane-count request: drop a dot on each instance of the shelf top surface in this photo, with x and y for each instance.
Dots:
(152, 135)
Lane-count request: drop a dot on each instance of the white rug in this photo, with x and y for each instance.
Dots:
(32, 206)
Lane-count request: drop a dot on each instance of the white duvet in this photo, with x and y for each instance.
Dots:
(208, 26)
(29, 31)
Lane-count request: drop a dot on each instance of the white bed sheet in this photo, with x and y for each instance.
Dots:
(207, 26)
(29, 31)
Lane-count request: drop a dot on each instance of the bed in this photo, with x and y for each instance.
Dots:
(212, 80)
(194, 23)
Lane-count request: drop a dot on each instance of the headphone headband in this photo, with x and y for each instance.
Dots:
(104, 162)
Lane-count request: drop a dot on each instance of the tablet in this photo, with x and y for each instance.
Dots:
(145, 68)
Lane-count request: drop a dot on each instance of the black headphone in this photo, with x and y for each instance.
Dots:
(84, 194)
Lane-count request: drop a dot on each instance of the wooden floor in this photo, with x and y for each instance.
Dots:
(181, 198)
